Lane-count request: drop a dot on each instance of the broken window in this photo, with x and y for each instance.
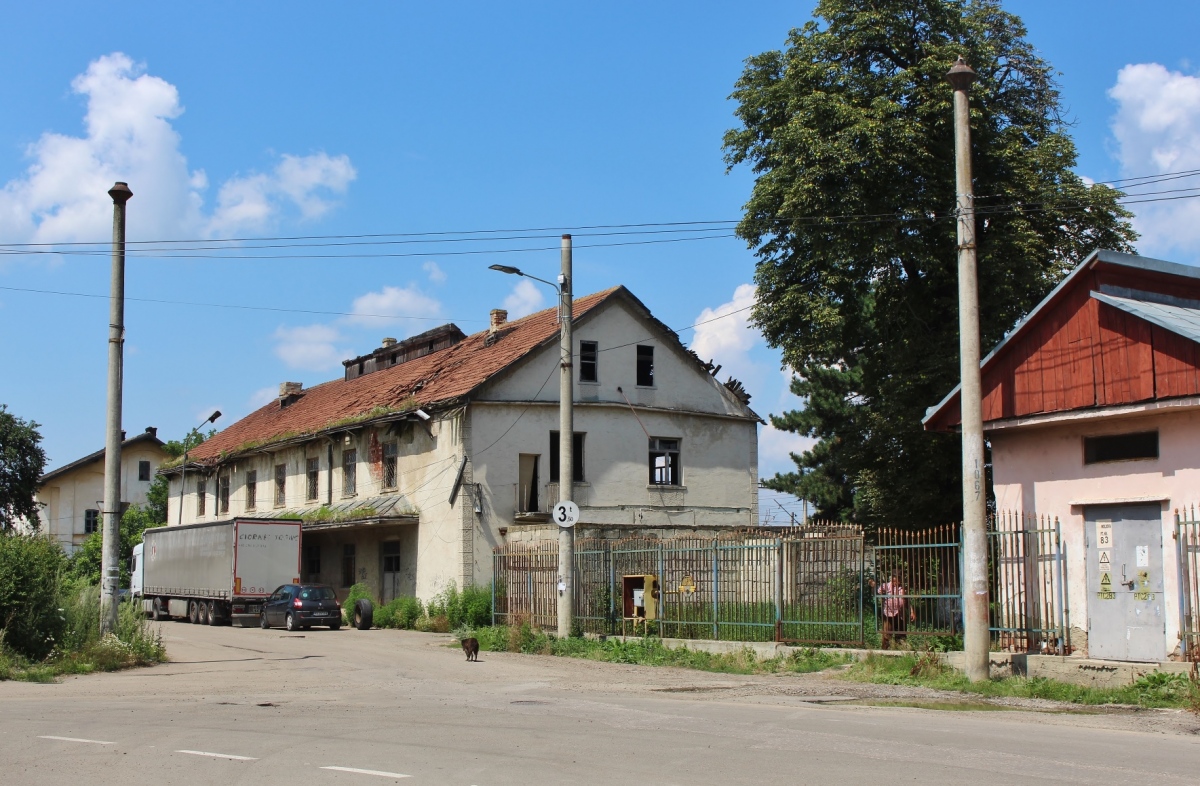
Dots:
(389, 465)
(280, 485)
(645, 366)
(348, 565)
(588, 361)
(576, 457)
(313, 470)
(527, 483)
(664, 461)
(349, 473)
(143, 470)
(251, 490)
(1120, 447)
(223, 494)
(91, 521)
(201, 492)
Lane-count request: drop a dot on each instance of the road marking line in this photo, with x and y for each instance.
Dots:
(220, 755)
(368, 772)
(73, 739)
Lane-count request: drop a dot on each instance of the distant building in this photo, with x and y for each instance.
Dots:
(71, 497)
(430, 452)
(1091, 405)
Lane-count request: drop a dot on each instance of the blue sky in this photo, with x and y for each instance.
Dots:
(245, 120)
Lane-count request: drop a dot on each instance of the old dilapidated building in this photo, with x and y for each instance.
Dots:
(430, 451)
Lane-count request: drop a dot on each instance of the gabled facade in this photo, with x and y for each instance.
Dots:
(429, 452)
(1092, 411)
(71, 496)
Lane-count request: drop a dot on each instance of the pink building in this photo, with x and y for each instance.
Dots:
(1092, 410)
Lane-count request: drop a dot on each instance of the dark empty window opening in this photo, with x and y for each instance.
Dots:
(664, 462)
(589, 370)
(349, 473)
(348, 565)
(91, 521)
(280, 485)
(223, 494)
(143, 470)
(1120, 447)
(251, 490)
(389, 465)
(313, 469)
(201, 493)
(312, 560)
(391, 556)
(645, 367)
(576, 457)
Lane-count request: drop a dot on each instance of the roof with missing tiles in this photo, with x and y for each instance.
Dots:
(440, 379)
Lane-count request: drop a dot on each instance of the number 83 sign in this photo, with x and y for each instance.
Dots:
(565, 514)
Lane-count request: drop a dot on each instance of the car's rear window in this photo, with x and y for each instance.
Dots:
(316, 593)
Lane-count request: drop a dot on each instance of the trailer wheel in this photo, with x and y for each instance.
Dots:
(364, 614)
(193, 613)
(212, 613)
(156, 610)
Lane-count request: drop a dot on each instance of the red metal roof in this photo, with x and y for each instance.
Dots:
(438, 378)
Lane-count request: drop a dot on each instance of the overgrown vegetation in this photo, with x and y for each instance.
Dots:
(85, 562)
(50, 619)
(21, 463)
(649, 651)
(1158, 689)
(449, 609)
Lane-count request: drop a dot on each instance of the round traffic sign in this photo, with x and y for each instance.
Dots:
(565, 514)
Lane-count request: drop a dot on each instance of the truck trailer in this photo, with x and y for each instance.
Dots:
(216, 572)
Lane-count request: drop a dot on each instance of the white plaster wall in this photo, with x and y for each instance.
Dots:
(1041, 469)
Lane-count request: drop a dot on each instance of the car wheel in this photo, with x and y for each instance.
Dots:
(364, 614)
(336, 626)
(290, 622)
(262, 621)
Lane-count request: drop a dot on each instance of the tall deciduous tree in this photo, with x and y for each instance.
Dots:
(21, 463)
(849, 130)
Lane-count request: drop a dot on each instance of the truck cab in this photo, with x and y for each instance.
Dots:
(135, 572)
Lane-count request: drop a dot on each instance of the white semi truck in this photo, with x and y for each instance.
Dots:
(216, 572)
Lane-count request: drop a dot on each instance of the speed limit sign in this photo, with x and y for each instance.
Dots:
(565, 514)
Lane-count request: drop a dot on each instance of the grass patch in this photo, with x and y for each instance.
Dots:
(1158, 689)
(648, 651)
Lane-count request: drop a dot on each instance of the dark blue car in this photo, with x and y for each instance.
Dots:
(300, 606)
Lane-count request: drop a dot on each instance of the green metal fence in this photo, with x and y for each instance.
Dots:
(1187, 552)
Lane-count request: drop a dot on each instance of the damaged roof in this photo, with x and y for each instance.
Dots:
(439, 379)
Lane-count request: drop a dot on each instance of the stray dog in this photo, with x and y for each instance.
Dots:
(471, 647)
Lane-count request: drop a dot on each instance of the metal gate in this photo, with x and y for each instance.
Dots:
(1187, 553)
(1126, 619)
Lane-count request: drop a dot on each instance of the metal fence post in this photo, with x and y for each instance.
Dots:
(1180, 551)
(778, 589)
(612, 589)
(716, 591)
(662, 595)
(1062, 588)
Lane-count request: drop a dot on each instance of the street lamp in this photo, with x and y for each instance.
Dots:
(566, 433)
(183, 467)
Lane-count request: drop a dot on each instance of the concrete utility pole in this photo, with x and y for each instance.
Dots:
(976, 637)
(110, 559)
(566, 447)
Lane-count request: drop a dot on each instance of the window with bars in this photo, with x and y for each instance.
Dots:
(201, 494)
(312, 469)
(91, 521)
(349, 473)
(143, 470)
(589, 367)
(390, 453)
(280, 485)
(223, 494)
(576, 457)
(348, 565)
(664, 462)
(645, 366)
(251, 490)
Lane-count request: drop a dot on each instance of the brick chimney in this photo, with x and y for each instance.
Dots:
(290, 388)
(389, 342)
(498, 317)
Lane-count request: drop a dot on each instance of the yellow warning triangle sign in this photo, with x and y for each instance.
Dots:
(1105, 581)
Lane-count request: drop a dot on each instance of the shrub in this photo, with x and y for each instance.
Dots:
(357, 592)
(30, 569)
(472, 606)
(402, 613)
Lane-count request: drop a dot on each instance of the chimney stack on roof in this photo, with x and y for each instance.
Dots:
(498, 317)
(389, 342)
(152, 431)
(290, 388)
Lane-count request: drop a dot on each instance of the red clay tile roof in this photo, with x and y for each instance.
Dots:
(427, 381)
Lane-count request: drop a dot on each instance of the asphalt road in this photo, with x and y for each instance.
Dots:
(246, 706)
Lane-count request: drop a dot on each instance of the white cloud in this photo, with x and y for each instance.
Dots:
(435, 273)
(311, 347)
(726, 335)
(524, 299)
(379, 309)
(128, 135)
(1157, 129)
(263, 396)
